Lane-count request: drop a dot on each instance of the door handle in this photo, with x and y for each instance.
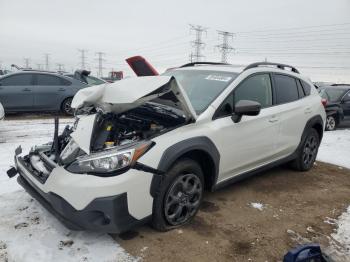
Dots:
(273, 119)
(308, 110)
(61, 89)
(26, 90)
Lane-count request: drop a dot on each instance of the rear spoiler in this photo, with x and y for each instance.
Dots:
(141, 67)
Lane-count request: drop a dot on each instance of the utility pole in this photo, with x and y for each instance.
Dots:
(47, 62)
(198, 45)
(225, 47)
(60, 67)
(26, 62)
(82, 58)
(100, 60)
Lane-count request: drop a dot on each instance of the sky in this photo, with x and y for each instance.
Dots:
(312, 35)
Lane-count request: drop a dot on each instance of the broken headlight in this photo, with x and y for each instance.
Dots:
(111, 161)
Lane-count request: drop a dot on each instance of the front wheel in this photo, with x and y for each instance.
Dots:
(66, 107)
(180, 196)
(331, 123)
(307, 152)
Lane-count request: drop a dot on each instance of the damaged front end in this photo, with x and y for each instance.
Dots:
(108, 137)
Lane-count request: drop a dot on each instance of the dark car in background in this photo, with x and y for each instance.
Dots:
(337, 104)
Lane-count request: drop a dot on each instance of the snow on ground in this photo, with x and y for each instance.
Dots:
(335, 148)
(342, 234)
(27, 231)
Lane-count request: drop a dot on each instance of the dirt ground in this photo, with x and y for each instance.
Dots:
(228, 228)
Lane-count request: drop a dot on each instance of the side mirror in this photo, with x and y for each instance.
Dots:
(245, 107)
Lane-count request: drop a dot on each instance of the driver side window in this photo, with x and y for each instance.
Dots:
(255, 88)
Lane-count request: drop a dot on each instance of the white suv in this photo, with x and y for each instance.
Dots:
(146, 148)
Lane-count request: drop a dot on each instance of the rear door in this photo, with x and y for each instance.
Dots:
(293, 110)
(16, 92)
(49, 91)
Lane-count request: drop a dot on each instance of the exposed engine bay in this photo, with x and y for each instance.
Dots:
(110, 131)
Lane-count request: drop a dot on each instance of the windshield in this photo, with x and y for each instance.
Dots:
(202, 86)
(91, 81)
(332, 94)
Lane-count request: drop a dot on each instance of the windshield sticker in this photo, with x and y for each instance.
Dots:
(219, 78)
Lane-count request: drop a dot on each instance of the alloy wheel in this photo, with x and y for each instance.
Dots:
(183, 199)
(310, 150)
(330, 123)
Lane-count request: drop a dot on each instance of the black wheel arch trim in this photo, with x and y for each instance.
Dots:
(174, 152)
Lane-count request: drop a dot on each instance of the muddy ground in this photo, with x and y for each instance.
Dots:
(228, 228)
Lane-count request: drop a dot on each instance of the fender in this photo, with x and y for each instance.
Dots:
(317, 119)
(174, 152)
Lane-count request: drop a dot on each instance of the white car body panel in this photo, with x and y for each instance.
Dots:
(83, 131)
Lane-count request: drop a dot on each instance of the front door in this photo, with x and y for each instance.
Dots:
(250, 143)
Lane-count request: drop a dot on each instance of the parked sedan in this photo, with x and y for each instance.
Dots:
(337, 104)
(31, 90)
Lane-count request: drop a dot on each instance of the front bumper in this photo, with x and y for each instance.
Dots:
(108, 213)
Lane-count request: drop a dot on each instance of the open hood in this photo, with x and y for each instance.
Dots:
(141, 66)
(130, 93)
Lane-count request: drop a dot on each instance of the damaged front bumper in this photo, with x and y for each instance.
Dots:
(84, 202)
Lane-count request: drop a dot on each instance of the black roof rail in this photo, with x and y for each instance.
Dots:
(202, 63)
(278, 65)
(340, 84)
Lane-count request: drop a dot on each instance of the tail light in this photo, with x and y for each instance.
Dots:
(324, 102)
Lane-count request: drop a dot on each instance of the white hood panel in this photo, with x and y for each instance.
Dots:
(129, 93)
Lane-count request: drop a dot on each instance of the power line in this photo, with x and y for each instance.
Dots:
(47, 61)
(82, 58)
(198, 45)
(26, 62)
(60, 67)
(225, 48)
(100, 60)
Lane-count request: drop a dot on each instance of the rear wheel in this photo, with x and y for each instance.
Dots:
(66, 106)
(331, 123)
(180, 196)
(308, 151)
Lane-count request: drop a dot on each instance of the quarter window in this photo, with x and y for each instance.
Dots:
(307, 87)
(286, 89)
(17, 80)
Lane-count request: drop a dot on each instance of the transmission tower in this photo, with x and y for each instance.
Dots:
(100, 60)
(198, 45)
(47, 62)
(225, 47)
(60, 67)
(82, 58)
(39, 66)
(26, 62)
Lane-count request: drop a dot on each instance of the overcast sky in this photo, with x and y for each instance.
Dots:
(313, 35)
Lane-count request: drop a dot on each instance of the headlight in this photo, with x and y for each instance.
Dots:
(111, 161)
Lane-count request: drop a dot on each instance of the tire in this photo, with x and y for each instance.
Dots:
(307, 152)
(176, 205)
(331, 123)
(66, 108)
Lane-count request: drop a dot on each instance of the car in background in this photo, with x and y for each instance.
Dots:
(85, 77)
(2, 112)
(33, 90)
(337, 103)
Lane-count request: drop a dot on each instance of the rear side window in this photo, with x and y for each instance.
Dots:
(256, 88)
(307, 87)
(48, 80)
(286, 89)
(17, 80)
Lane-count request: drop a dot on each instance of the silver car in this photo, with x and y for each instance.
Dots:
(31, 90)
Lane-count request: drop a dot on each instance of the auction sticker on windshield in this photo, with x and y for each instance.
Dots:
(219, 78)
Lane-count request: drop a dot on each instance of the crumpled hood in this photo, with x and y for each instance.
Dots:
(129, 93)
